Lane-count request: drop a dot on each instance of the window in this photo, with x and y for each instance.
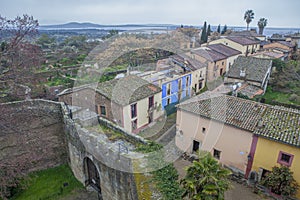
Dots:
(151, 102)
(187, 93)
(134, 124)
(285, 158)
(168, 101)
(133, 110)
(187, 81)
(179, 84)
(168, 88)
(203, 130)
(221, 72)
(223, 63)
(200, 85)
(217, 154)
(102, 110)
(200, 74)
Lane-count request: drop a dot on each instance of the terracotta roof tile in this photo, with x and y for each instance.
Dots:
(280, 124)
(193, 64)
(243, 40)
(256, 68)
(127, 90)
(234, 111)
(273, 122)
(209, 54)
(223, 49)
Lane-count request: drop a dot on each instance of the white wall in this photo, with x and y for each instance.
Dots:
(142, 112)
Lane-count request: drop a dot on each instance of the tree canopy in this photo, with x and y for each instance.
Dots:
(248, 17)
(204, 33)
(206, 179)
(262, 23)
(281, 181)
(19, 56)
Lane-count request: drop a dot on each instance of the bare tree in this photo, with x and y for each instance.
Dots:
(19, 57)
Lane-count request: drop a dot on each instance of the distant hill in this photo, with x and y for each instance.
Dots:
(88, 25)
(75, 25)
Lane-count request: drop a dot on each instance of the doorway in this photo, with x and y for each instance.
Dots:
(196, 146)
(93, 177)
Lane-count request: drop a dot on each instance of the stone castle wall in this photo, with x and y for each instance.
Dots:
(32, 132)
(42, 134)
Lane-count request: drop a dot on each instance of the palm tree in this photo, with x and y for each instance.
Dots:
(205, 179)
(262, 23)
(249, 15)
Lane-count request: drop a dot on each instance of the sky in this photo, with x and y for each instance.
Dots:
(280, 13)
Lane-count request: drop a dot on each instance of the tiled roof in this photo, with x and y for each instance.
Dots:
(223, 49)
(209, 54)
(280, 124)
(288, 44)
(270, 54)
(246, 33)
(234, 111)
(127, 90)
(193, 64)
(256, 68)
(250, 90)
(273, 122)
(243, 40)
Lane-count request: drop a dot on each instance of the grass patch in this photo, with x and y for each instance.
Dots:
(49, 184)
(280, 97)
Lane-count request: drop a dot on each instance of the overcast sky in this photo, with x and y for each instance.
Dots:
(280, 13)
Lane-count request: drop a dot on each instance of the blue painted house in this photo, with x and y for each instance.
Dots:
(176, 90)
(175, 86)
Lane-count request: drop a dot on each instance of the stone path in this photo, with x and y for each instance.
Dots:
(168, 136)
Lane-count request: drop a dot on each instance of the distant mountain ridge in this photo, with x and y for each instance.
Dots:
(84, 25)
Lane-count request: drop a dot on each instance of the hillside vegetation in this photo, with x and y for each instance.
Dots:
(284, 85)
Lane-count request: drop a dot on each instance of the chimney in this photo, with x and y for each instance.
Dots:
(243, 73)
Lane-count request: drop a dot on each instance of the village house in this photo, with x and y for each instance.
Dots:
(251, 74)
(216, 62)
(175, 85)
(245, 136)
(130, 102)
(277, 142)
(294, 38)
(270, 55)
(197, 68)
(221, 125)
(230, 53)
(245, 45)
(251, 34)
(282, 47)
(218, 57)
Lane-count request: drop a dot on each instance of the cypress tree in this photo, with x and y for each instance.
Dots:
(219, 29)
(204, 35)
(208, 30)
(224, 29)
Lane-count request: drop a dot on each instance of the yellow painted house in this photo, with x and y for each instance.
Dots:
(278, 142)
